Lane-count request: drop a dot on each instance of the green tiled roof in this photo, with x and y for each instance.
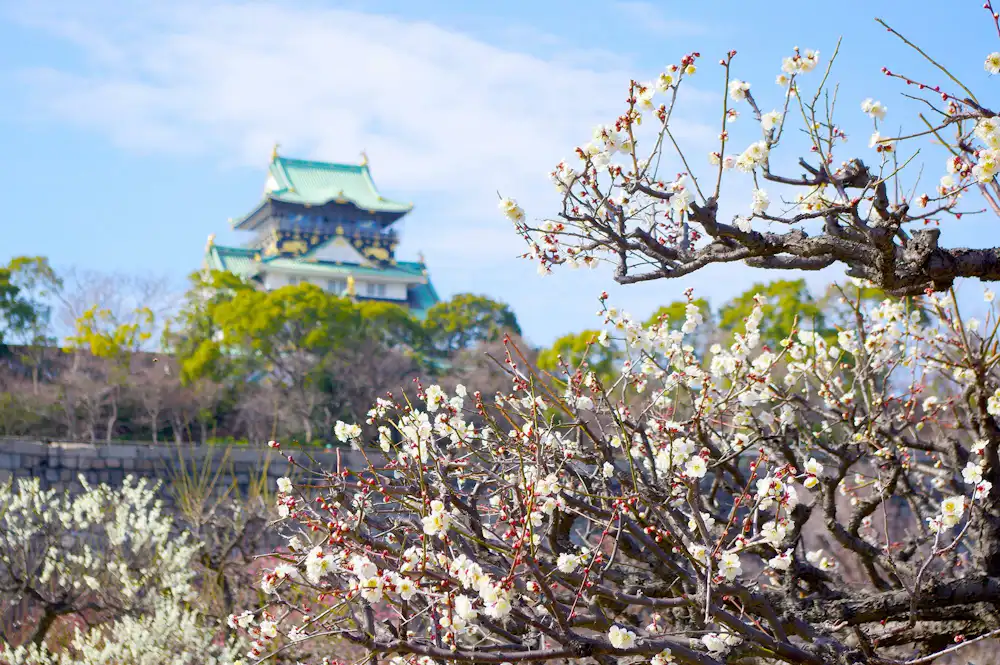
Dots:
(402, 270)
(237, 260)
(317, 183)
(421, 296)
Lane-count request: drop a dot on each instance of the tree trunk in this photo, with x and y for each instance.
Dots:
(113, 418)
(42, 628)
(178, 429)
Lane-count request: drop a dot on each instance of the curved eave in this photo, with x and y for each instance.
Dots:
(254, 218)
(272, 205)
(286, 185)
(384, 207)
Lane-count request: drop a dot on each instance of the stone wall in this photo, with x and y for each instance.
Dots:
(59, 465)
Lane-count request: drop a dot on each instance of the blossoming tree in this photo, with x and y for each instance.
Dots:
(819, 501)
(108, 562)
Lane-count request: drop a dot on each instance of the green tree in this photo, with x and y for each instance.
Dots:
(27, 285)
(575, 349)
(282, 340)
(676, 312)
(391, 325)
(788, 305)
(101, 334)
(466, 320)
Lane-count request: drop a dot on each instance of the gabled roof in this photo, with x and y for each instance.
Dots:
(421, 298)
(317, 183)
(246, 262)
(241, 261)
(403, 271)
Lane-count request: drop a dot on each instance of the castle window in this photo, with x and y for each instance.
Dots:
(375, 290)
(337, 286)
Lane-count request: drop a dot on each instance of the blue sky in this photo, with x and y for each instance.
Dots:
(134, 130)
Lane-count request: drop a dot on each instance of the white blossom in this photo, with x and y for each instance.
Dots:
(621, 638)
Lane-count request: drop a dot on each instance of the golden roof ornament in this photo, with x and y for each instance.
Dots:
(211, 241)
(349, 291)
(274, 152)
(364, 158)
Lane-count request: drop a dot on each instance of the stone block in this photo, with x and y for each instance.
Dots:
(121, 452)
(113, 463)
(66, 475)
(97, 464)
(103, 477)
(71, 461)
(23, 447)
(128, 464)
(9, 461)
(52, 475)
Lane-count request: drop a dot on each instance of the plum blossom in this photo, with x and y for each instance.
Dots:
(952, 510)
(621, 638)
(874, 109)
(738, 90)
(437, 522)
(513, 211)
(781, 561)
(992, 64)
(346, 432)
(730, 565)
(696, 467)
(770, 120)
(760, 201)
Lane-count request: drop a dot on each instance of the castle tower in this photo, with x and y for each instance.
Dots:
(327, 224)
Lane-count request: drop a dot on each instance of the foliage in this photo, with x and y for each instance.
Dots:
(676, 312)
(466, 320)
(252, 330)
(788, 306)
(103, 336)
(26, 285)
(391, 325)
(589, 350)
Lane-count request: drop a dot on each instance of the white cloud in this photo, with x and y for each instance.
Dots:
(447, 120)
(435, 109)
